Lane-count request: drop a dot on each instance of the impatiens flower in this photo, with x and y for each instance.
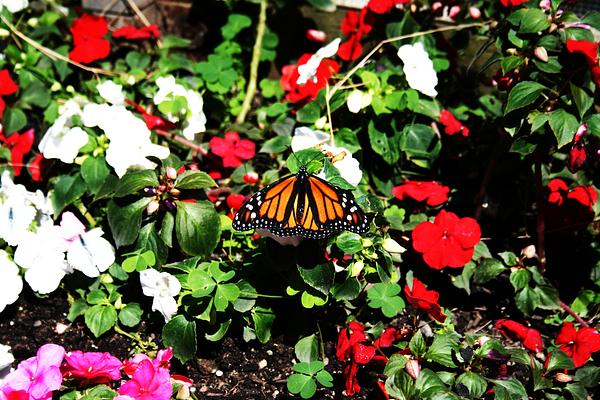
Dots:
(432, 193)
(418, 68)
(39, 376)
(512, 3)
(14, 6)
(7, 87)
(88, 251)
(91, 367)
(62, 140)
(36, 168)
(388, 337)
(11, 285)
(531, 338)
(19, 145)
(451, 124)
(148, 383)
(342, 160)
(354, 26)
(577, 155)
(163, 287)
(162, 360)
(590, 52)
(233, 150)
(111, 92)
(132, 33)
(88, 37)
(578, 344)
(308, 71)
(306, 138)
(384, 6)
(352, 350)
(16, 210)
(347, 338)
(303, 93)
(560, 192)
(152, 121)
(194, 120)
(423, 299)
(357, 100)
(6, 357)
(449, 241)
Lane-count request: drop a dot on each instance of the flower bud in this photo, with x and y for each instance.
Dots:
(541, 53)
(454, 11)
(475, 12)
(436, 6)
(564, 378)
(106, 278)
(119, 303)
(357, 268)
(149, 191)
(152, 207)
(482, 340)
(391, 246)
(250, 178)
(171, 173)
(413, 368)
(316, 35)
(545, 4)
(529, 251)
(321, 123)
(175, 192)
(169, 204)
(581, 131)
(366, 242)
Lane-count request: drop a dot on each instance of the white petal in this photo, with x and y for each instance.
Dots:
(418, 68)
(6, 357)
(63, 144)
(357, 100)
(306, 138)
(150, 281)
(14, 6)
(330, 50)
(70, 226)
(11, 285)
(167, 306)
(111, 92)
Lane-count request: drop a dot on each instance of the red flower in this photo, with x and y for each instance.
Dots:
(431, 192)
(578, 344)
(506, 82)
(132, 33)
(351, 349)
(19, 145)
(234, 202)
(531, 338)
(451, 124)
(388, 337)
(590, 51)
(559, 192)
(232, 149)
(152, 121)
(92, 367)
(512, 3)
(36, 167)
(423, 299)
(577, 157)
(384, 6)
(7, 87)
(355, 25)
(88, 37)
(347, 338)
(586, 195)
(449, 241)
(308, 91)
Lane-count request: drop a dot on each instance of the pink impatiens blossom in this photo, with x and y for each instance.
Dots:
(92, 367)
(38, 376)
(162, 360)
(148, 383)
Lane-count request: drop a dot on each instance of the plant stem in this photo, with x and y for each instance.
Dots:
(268, 296)
(573, 314)
(183, 141)
(489, 173)
(251, 88)
(86, 214)
(540, 206)
(135, 337)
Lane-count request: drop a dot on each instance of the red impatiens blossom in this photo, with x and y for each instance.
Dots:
(132, 33)
(423, 299)
(234, 202)
(560, 192)
(88, 37)
(347, 338)
(36, 168)
(19, 145)
(451, 124)
(355, 25)
(389, 336)
(449, 241)
(577, 155)
(432, 193)
(233, 150)
(352, 349)
(531, 338)
(152, 121)
(578, 344)
(512, 3)
(590, 52)
(304, 93)
(384, 6)
(91, 367)
(507, 81)
(7, 87)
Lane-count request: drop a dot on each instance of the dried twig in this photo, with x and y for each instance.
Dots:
(181, 140)
(573, 314)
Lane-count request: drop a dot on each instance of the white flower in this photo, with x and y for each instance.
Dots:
(308, 71)
(306, 138)
(111, 92)
(61, 140)
(163, 287)
(418, 68)
(87, 252)
(14, 5)
(16, 211)
(11, 285)
(6, 359)
(42, 255)
(195, 121)
(357, 100)
(348, 166)
(129, 137)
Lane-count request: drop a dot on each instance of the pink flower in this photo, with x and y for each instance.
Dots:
(39, 376)
(148, 383)
(162, 360)
(232, 149)
(92, 367)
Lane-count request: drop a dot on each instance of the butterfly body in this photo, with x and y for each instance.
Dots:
(302, 205)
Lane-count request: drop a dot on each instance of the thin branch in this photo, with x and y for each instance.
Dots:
(573, 314)
(327, 99)
(251, 89)
(396, 39)
(136, 10)
(53, 54)
(540, 208)
(182, 140)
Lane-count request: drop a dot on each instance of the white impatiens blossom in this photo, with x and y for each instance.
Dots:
(62, 140)
(306, 138)
(418, 68)
(128, 135)
(11, 285)
(6, 360)
(88, 251)
(342, 160)
(163, 287)
(42, 255)
(308, 71)
(357, 100)
(111, 92)
(195, 120)
(14, 5)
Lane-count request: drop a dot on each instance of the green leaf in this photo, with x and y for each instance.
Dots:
(349, 242)
(577, 391)
(385, 296)
(421, 144)
(276, 144)
(309, 113)
(194, 180)
(520, 278)
(35, 94)
(474, 382)
(582, 99)
(309, 367)
(441, 349)
(347, 290)
(244, 302)
(310, 300)
(139, 261)
(564, 126)
(94, 172)
(172, 41)
(218, 335)
(302, 384)
(180, 334)
(588, 375)
(395, 216)
(534, 20)
(66, 190)
(386, 147)
(101, 392)
(324, 378)
(131, 314)
(226, 293)
(489, 269)
(100, 318)
(96, 296)
(319, 277)
(77, 308)
(509, 389)
(463, 281)
(395, 364)
(148, 240)
(134, 181)
(417, 344)
(235, 24)
(13, 120)
(347, 138)
(558, 359)
(548, 297)
(125, 222)
(429, 384)
(263, 321)
(527, 300)
(198, 227)
(307, 349)
(522, 95)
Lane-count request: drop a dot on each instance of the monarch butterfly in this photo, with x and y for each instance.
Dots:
(302, 205)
